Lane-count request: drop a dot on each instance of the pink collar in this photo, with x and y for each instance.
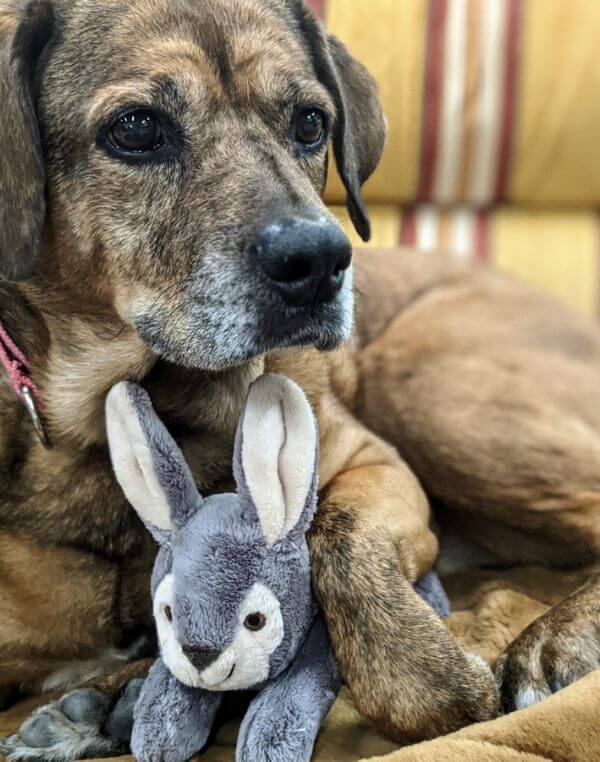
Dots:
(19, 371)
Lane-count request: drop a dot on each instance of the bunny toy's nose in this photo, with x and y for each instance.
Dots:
(201, 656)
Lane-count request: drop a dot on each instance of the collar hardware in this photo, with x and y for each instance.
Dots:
(36, 418)
(19, 371)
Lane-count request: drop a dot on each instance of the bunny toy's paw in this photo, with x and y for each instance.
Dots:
(277, 731)
(171, 721)
(283, 721)
(279, 737)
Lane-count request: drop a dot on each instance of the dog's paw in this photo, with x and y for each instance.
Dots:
(553, 652)
(81, 725)
(64, 730)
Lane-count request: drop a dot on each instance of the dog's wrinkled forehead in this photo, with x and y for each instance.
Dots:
(139, 118)
(223, 51)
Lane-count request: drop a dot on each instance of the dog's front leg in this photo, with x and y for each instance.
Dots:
(370, 541)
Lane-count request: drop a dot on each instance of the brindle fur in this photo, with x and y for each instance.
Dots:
(458, 383)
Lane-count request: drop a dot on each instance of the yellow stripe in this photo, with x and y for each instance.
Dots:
(555, 250)
(388, 36)
(557, 152)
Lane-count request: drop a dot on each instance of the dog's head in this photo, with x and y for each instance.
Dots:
(167, 157)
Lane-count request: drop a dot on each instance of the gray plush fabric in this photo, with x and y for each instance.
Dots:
(432, 592)
(171, 722)
(282, 722)
(170, 466)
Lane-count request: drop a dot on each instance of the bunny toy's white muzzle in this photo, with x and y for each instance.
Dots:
(245, 663)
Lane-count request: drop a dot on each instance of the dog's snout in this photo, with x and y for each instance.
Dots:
(303, 259)
(201, 656)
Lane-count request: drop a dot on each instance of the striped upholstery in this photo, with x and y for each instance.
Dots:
(494, 108)
(558, 250)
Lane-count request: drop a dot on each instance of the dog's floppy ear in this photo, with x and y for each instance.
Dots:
(22, 205)
(276, 456)
(147, 462)
(360, 131)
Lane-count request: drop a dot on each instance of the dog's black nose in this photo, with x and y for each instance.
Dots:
(303, 259)
(201, 656)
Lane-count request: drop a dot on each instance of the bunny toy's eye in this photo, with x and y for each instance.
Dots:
(168, 613)
(255, 622)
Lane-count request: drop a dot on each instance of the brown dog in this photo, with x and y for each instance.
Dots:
(182, 147)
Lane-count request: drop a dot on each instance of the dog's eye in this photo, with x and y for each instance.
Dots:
(310, 127)
(168, 613)
(136, 132)
(255, 622)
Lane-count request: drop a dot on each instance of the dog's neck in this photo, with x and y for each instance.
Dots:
(77, 357)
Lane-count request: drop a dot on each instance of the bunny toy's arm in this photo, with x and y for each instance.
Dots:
(283, 721)
(171, 721)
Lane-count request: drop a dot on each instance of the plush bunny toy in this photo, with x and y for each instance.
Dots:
(231, 584)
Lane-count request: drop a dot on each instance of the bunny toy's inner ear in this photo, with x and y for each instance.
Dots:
(148, 463)
(275, 461)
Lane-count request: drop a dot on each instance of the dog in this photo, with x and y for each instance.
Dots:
(162, 164)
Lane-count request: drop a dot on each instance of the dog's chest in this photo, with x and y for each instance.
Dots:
(68, 512)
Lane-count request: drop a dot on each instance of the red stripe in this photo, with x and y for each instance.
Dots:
(432, 93)
(509, 95)
(408, 228)
(482, 236)
(317, 7)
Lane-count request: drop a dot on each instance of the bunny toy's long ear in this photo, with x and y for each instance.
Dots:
(148, 464)
(276, 457)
